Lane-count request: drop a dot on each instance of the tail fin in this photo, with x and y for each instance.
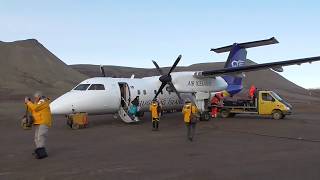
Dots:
(237, 58)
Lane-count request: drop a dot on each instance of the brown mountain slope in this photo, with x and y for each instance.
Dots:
(315, 92)
(265, 79)
(27, 66)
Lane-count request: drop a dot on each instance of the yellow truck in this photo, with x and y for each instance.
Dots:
(266, 103)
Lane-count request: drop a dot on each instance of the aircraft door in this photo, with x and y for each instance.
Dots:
(125, 94)
(125, 101)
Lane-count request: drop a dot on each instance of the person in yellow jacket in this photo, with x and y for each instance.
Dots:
(42, 120)
(155, 110)
(190, 115)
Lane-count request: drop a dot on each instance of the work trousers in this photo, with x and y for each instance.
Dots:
(40, 135)
(191, 129)
(155, 123)
(214, 112)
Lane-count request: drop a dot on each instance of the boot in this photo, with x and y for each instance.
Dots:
(153, 125)
(41, 153)
(157, 125)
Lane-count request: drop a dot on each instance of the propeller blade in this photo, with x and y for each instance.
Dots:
(102, 71)
(175, 90)
(160, 90)
(175, 64)
(157, 67)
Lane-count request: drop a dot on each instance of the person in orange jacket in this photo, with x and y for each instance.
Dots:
(42, 120)
(190, 117)
(252, 93)
(214, 104)
(155, 110)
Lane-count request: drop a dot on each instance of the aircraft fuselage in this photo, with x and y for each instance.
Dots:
(107, 100)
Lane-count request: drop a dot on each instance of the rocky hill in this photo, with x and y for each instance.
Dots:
(27, 66)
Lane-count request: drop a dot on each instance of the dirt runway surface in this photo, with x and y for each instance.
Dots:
(244, 147)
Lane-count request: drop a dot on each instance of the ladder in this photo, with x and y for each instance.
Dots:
(123, 113)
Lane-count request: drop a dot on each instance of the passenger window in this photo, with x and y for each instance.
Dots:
(82, 87)
(144, 92)
(139, 92)
(97, 87)
(267, 97)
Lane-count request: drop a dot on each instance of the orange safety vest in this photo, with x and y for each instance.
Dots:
(154, 110)
(188, 110)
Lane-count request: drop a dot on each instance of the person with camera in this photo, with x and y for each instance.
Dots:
(42, 120)
(155, 110)
(190, 114)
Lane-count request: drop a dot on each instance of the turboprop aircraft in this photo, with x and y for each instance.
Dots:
(106, 95)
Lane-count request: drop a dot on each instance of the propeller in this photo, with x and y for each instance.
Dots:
(166, 78)
(102, 71)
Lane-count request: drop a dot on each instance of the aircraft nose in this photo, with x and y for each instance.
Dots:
(61, 106)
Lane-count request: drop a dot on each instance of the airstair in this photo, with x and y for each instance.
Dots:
(123, 113)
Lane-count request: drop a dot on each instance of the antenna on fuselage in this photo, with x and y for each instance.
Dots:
(102, 71)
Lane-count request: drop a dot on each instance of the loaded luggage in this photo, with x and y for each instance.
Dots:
(78, 120)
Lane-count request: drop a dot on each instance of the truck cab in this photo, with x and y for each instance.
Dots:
(269, 103)
(266, 103)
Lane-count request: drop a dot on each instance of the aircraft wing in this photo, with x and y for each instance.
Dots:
(277, 66)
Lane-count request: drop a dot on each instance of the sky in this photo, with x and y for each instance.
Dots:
(132, 33)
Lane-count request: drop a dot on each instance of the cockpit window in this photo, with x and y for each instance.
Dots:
(96, 87)
(82, 87)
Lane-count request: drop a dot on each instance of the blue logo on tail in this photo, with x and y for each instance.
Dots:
(237, 58)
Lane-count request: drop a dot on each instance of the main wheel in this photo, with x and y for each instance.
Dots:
(232, 114)
(140, 114)
(224, 113)
(277, 115)
(205, 116)
(75, 126)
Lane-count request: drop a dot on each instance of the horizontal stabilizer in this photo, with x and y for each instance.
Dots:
(265, 42)
(277, 66)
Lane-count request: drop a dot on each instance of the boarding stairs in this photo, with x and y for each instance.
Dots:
(123, 113)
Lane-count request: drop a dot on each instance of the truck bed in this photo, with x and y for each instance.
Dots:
(239, 106)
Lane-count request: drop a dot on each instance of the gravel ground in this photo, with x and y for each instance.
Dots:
(244, 147)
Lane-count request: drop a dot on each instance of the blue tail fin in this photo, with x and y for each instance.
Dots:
(237, 58)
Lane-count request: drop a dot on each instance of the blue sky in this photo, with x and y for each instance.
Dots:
(131, 33)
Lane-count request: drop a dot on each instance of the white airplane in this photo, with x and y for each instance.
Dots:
(106, 95)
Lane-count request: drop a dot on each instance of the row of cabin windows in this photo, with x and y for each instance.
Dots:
(83, 87)
(145, 92)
